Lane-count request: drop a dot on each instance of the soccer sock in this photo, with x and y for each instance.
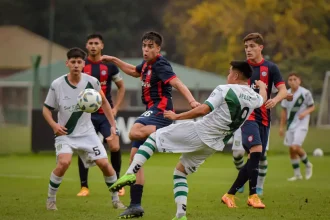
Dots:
(305, 160)
(116, 162)
(54, 183)
(180, 192)
(295, 166)
(110, 180)
(253, 171)
(142, 155)
(238, 159)
(263, 165)
(136, 194)
(83, 173)
(240, 180)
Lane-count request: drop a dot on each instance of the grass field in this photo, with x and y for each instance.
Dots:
(24, 181)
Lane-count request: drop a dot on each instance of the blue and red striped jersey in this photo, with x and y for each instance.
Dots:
(155, 77)
(104, 73)
(268, 73)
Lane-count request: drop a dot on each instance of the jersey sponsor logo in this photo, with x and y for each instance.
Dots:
(72, 108)
(254, 86)
(103, 72)
(250, 138)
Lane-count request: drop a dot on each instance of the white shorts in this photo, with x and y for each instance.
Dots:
(295, 137)
(183, 138)
(237, 141)
(89, 148)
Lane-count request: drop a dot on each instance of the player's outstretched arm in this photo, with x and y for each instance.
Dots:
(182, 88)
(282, 122)
(108, 113)
(193, 113)
(125, 67)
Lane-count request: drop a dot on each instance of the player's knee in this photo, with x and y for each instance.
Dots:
(113, 147)
(238, 153)
(135, 134)
(103, 164)
(294, 149)
(63, 164)
(256, 148)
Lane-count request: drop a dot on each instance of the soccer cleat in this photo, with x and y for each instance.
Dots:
(260, 191)
(51, 205)
(255, 202)
(84, 191)
(118, 205)
(182, 218)
(241, 190)
(229, 200)
(295, 178)
(309, 171)
(121, 192)
(133, 211)
(126, 180)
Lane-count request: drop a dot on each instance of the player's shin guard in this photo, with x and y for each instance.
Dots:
(180, 192)
(241, 179)
(263, 165)
(143, 154)
(54, 183)
(305, 160)
(238, 158)
(253, 171)
(110, 180)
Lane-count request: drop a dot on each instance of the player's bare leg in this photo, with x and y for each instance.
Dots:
(140, 131)
(110, 178)
(303, 157)
(63, 163)
(294, 157)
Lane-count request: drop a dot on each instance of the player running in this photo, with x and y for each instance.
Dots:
(106, 74)
(157, 79)
(296, 115)
(74, 130)
(225, 110)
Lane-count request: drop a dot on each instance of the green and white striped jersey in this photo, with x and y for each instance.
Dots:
(231, 105)
(62, 96)
(302, 99)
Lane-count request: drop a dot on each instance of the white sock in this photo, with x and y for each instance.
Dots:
(263, 167)
(143, 154)
(180, 192)
(110, 180)
(296, 167)
(54, 183)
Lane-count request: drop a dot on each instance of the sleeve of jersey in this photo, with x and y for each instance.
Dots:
(50, 101)
(309, 99)
(138, 68)
(164, 71)
(115, 74)
(260, 100)
(277, 77)
(283, 103)
(215, 99)
(96, 84)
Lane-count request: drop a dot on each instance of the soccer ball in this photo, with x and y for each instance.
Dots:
(318, 152)
(89, 100)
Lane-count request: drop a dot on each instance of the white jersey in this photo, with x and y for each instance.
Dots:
(302, 99)
(62, 96)
(231, 105)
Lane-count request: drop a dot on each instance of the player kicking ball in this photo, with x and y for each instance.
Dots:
(296, 115)
(225, 110)
(74, 130)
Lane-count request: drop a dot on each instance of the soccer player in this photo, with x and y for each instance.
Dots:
(296, 116)
(106, 74)
(74, 130)
(226, 109)
(255, 130)
(157, 79)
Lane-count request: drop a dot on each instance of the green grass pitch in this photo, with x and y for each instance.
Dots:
(24, 181)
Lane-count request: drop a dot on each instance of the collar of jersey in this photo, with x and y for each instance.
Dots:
(94, 62)
(256, 64)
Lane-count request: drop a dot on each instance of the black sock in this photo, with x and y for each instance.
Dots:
(136, 194)
(253, 170)
(83, 173)
(116, 162)
(241, 179)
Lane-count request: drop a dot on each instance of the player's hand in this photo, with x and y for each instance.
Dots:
(114, 112)
(289, 97)
(260, 84)
(59, 130)
(270, 103)
(106, 58)
(281, 132)
(113, 131)
(302, 116)
(170, 115)
(194, 104)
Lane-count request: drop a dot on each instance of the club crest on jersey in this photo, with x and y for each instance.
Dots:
(103, 72)
(250, 138)
(264, 73)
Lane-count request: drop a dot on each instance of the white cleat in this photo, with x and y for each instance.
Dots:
(118, 205)
(295, 178)
(309, 171)
(51, 205)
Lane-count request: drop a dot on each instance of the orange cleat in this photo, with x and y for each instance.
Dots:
(121, 192)
(255, 202)
(83, 192)
(229, 200)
